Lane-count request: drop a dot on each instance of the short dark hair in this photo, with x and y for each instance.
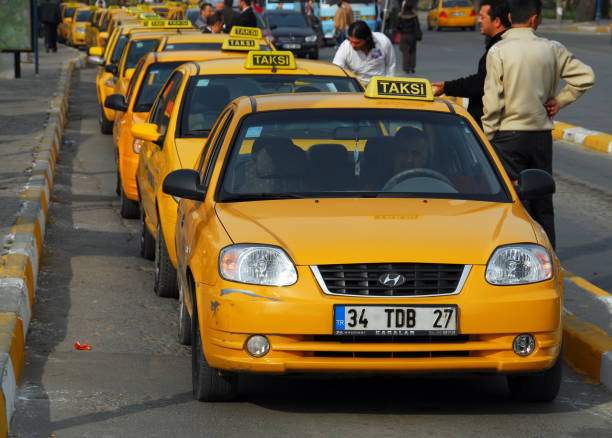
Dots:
(247, 2)
(204, 5)
(228, 3)
(522, 10)
(360, 29)
(497, 9)
(214, 18)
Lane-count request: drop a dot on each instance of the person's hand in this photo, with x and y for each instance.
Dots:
(438, 88)
(552, 108)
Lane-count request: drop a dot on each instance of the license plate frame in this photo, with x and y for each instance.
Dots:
(429, 320)
(293, 46)
(458, 14)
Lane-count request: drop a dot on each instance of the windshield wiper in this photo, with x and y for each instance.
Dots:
(261, 197)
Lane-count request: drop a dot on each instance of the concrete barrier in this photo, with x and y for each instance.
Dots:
(19, 267)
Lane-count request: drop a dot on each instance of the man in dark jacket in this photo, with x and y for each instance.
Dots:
(247, 16)
(493, 21)
(229, 15)
(50, 16)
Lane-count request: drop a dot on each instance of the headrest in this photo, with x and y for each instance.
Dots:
(278, 158)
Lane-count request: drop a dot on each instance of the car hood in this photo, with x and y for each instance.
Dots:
(333, 231)
(295, 31)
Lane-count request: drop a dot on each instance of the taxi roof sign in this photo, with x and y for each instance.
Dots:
(167, 24)
(240, 44)
(245, 32)
(399, 88)
(274, 60)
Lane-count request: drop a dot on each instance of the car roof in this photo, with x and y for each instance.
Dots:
(186, 55)
(236, 65)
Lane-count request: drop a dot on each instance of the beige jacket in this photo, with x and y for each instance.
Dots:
(523, 72)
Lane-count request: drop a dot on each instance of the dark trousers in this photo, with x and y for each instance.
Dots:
(520, 150)
(408, 44)
(50, 31)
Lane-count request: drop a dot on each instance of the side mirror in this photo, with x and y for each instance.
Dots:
(68, 21)
(184, 183)
(95, 60)
(116, 102)
(535, 184)
(96, 51)
(103, 35)
(129, 73)
(147, 132)
(111, 68)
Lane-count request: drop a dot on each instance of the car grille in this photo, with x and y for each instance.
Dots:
(416, 279)
(295, 39)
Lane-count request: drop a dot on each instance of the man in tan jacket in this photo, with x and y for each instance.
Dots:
(342, 20)
(523, 72)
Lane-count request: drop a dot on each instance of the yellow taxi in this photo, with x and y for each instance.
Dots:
(451, 14)
(149, 76)
(363, 233)
(94, 29)
(67, 11)
(106, 25)
(181, 120)
(242, 38)
(136, 39)
(80, 26)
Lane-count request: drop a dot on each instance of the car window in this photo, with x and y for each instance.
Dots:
(358, 152)
(211, 138)
(84, 16)
(119, 46)
(456, 4)
(287, 20)
(153, 80)
(165, 102)
(206, 96)
(137, 50)
(135, 76)
(214, 151)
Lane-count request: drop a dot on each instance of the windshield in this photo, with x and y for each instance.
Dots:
(208, 95)
(153, 81)
(84, 16)
(137, 50)
(287, 20)
(358, 153)
(69, 12)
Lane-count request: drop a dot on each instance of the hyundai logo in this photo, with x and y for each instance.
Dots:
(392, 280)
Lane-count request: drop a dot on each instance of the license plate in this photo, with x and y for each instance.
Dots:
(292, 46)
(395, 320)
(458, 14)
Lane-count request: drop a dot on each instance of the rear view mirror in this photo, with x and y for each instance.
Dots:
(184, 183)
(147, 132)
(535, 184)
(112, 69)
(116, 102)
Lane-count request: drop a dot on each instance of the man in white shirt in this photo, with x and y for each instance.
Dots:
(366, 53)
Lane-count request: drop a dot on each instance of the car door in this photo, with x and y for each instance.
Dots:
(149, 165)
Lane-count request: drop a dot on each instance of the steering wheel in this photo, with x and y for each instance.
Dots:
(415, 173)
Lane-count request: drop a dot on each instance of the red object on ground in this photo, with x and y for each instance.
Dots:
(85, 346)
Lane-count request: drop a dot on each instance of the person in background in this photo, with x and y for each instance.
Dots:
(206, 10)
(230, 16)
(350, 18)
(410, 30)
(520, 98)
(247, 16)
(220, 6)
(340, 24)
(366, 53)
(309, 13)
(50, 16)
(215, 23)
(493, 22)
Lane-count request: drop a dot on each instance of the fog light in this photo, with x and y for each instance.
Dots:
(524, 345)
(258, 346)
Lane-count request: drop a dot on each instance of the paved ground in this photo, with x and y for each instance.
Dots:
(24, 108)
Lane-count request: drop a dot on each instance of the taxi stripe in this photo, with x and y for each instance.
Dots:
(19, 266)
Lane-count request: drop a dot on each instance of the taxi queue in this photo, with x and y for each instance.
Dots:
(307, 225)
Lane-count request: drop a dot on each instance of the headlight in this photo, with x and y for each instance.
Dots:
(257, 264)
(519, 264)
(310, 38)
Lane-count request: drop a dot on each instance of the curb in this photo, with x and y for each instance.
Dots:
(19, 267)
(584, 28)
(595, 140)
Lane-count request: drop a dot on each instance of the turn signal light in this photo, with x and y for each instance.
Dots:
(442, 14)
(473, 13)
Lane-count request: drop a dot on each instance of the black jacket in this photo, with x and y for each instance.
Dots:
(472, 86)
(230, 17)
(247, 18)
(49, 12)
(409, 24)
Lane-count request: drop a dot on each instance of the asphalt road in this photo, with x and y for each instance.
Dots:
(135, 381)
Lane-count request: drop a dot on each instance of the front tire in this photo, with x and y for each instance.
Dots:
(209, 384)
(538, 387)
(106, 127)
(147, 242)
(165, 274)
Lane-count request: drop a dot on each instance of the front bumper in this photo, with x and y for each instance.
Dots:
(298, 323)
